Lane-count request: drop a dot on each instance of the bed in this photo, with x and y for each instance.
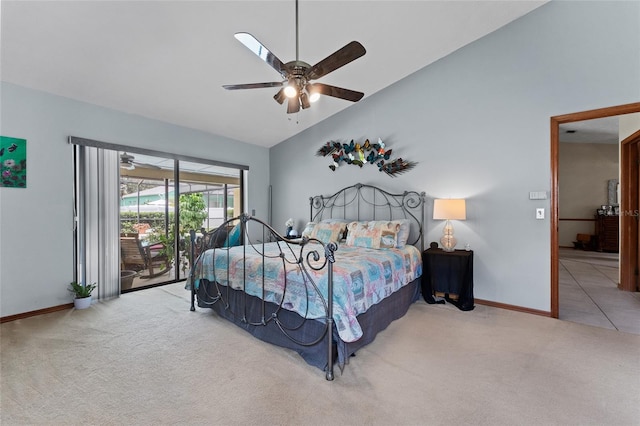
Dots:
(325, 295)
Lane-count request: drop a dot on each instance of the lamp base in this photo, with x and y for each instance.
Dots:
(448, 242)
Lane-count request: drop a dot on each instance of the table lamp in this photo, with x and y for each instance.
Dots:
(449, 209)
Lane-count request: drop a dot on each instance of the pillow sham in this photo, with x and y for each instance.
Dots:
(328, 232)
(403, 233)
(335, 220)
(308, 229)
(360, 234)
(233, 238)
(388, 234)
(373, 234)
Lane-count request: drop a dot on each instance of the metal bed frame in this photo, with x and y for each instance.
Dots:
(287, 328)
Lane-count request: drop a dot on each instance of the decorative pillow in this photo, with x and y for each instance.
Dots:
(373, 234)
(308, 229)
(233, 239)
(335, 220)
(403, 233)
(327, 232)
(362, 235)
(388, 234)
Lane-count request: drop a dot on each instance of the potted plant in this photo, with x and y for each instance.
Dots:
(82, 294)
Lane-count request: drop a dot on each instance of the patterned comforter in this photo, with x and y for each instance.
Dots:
(361, 278)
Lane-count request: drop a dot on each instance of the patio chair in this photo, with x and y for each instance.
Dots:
(136, 256)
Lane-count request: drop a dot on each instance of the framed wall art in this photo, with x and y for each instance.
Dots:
(13, 162)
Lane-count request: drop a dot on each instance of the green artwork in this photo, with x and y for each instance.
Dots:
(13, 162)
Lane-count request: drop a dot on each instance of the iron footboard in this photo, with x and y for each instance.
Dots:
(275, 274)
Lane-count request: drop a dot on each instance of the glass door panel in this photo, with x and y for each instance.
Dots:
(146, 218)
(209, 195)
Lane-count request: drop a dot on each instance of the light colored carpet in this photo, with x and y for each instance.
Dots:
(145, 359)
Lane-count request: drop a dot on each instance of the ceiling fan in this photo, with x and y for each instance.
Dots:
(297, 75)
(127, 162)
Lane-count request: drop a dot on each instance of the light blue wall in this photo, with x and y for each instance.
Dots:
(36, 256)
(478, 123)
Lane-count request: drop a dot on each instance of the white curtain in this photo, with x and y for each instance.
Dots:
(97, 209)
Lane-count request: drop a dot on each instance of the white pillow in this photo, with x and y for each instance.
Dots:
(403, 234)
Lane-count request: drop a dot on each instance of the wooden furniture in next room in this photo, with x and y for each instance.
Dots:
(608, 232)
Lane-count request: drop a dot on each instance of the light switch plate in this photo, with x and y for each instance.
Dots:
(540, 213)
(538, 195)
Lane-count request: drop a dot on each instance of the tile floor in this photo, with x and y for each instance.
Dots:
(588, 292)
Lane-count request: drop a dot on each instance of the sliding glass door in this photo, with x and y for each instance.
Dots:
(161, 201)
(134, 208)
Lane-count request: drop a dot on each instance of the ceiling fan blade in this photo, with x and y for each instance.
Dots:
(293, 105)
(336, 92)
(128, 162)
(252, 85)
(263, 53)
(336, 60)
(146, 165)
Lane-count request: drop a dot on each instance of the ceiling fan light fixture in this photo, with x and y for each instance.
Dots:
(297, 74)
(291, 90)
(314, 94)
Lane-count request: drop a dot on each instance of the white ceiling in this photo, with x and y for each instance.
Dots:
(168, 60)
(599, 130)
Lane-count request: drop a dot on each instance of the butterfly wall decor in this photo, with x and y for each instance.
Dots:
(366, 153)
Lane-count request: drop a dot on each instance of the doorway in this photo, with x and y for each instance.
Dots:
(555, 127)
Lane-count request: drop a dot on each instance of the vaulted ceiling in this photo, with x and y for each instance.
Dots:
(168, 60)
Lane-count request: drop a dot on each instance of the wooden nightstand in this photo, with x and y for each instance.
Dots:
(450, 273)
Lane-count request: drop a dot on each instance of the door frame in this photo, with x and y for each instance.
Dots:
(629, 210)
(556, 121)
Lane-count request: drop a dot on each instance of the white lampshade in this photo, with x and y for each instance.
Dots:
(447, 209)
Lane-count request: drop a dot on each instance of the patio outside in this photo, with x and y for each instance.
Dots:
(147, 224)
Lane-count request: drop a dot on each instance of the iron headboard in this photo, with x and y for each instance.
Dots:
(366, 202)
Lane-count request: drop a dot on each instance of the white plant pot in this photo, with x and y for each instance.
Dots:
(82, 303)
